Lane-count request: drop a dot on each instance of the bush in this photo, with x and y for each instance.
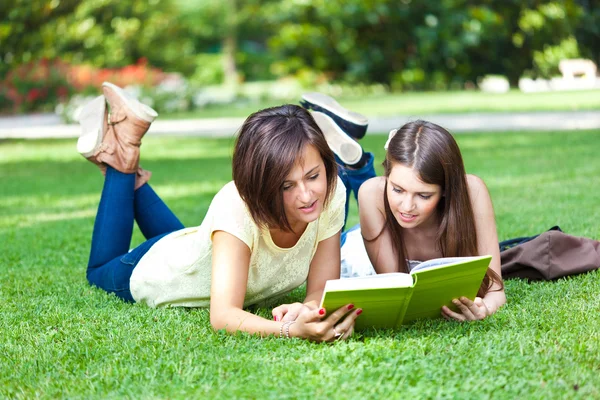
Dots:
(46, 84)
(35, 86)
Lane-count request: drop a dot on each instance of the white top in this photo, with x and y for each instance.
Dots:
(355, 259)
(176, 271)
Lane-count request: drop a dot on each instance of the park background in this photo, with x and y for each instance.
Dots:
(199, 60)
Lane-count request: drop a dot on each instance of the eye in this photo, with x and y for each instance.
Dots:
(396, 190)
(315, 176)
(425, 196)
(287, 187)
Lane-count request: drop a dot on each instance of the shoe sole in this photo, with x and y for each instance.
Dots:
(329, 104)
(141, 110)
(91, 119)
(347, 149)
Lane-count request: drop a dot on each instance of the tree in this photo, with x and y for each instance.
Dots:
(107, 33)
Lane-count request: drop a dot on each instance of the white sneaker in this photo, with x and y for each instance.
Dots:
(91, 119)
(347, 149)
(352, 123)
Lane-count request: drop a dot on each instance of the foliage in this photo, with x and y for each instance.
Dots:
(90, 78)
(417, 45)
(64, 339)
(35, 86)
(42, 85)
(545, 62)
(107, 33)
(404, 45)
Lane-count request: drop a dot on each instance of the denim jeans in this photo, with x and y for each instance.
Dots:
(111, 263)
(353, 179)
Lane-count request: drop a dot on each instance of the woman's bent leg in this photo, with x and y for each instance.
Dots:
(152, 214)
(114, 221)
(114, 276)
(354, 178)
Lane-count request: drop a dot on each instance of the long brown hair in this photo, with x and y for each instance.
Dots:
(268, 146)
(434, 155)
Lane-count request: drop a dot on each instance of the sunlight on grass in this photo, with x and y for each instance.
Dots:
(70, 202)
(28, 220)
(38, 150)
(186, 148)
(172, 192)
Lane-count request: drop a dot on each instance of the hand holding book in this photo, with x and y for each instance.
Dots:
(468, 310)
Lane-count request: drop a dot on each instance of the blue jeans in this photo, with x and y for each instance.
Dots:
(111, 263)
(353, 179)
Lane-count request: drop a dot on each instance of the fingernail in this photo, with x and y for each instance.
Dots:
(350, 306)
(322, 311)
(359, 311)
(275, 318)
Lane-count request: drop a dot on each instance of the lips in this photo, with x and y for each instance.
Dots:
(407, 217)
(310, 208)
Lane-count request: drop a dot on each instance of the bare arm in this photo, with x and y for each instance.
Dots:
(230, 263)
(487, 243)
(378, 241)
(487, 237)
(325, 265)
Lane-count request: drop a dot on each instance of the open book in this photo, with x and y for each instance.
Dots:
(389, 300)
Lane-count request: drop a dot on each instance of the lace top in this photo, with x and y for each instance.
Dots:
(176, 271)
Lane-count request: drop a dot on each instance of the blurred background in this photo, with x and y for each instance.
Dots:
(187, 57)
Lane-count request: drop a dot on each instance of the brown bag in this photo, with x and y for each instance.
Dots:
(551, 255)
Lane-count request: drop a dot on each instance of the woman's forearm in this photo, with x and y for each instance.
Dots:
(235, 319)
(494, 300)
(313, 299)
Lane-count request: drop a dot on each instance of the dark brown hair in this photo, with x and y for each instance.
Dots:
(268, 146)
(434, 155)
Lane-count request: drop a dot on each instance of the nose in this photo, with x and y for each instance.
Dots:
(304, 193)
(408, 203)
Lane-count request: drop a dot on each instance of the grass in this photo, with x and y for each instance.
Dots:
(430, 103)
(61, 338)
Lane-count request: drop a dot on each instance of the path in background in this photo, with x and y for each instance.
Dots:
(50, 126)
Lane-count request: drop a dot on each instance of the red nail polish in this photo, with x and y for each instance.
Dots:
(359, 311)
(322, 311)
(350, 306)
(275, 318)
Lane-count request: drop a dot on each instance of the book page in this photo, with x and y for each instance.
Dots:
(381, 281)
(439, 262)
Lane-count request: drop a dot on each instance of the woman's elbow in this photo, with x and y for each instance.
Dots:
(222, 318)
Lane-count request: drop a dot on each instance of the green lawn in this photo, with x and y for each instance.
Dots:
(61, 338)
(430, 103)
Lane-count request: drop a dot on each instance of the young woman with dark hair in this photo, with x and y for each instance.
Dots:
(424, 207)
(274, 227)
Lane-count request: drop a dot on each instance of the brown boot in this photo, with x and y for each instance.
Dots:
(124, 126)
(142, 176)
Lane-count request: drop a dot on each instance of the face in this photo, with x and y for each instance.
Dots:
(304, 189)
(412, 201)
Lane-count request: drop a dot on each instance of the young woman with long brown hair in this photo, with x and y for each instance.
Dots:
(425, 206)
(274, 227)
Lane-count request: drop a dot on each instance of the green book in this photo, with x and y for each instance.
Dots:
(390, 300)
